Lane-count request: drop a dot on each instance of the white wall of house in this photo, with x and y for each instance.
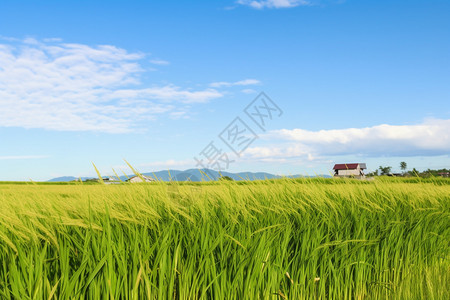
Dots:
(354, 172)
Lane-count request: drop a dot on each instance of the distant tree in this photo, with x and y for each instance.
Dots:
(385, 170)
(226, 178)
(415, 172)
(403, 166)
(429, 173)
(374, 173)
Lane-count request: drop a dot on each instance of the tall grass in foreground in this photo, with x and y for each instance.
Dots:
(281, 239)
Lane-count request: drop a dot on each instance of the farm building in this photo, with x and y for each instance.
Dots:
(350, 170)
(139, 179)
(110, 180)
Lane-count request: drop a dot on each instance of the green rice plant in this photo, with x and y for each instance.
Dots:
(309, 238)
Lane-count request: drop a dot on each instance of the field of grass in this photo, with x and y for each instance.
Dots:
(280, 239)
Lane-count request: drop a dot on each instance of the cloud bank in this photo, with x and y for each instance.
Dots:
(74, 87)
(160, 62)
(430, 138)
(244, 82)
(273, 3)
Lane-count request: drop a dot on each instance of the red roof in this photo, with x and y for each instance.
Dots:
(345, 166)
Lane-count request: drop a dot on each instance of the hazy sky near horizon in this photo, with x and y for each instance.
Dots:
(155, 82)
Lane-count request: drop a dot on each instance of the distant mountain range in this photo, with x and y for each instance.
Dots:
(67, 178)
(193, 175)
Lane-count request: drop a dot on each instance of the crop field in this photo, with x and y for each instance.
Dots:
(277, 239)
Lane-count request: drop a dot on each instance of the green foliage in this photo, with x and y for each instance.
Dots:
(374, 173)
(277, 239)
(432, 173)
(403, 166)
(226, 178)
(385, 170)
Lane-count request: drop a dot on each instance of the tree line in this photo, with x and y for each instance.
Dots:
(387, 171)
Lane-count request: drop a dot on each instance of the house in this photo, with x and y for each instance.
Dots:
(350, 170)
(141, 178)
(444, 174)
(110, 180)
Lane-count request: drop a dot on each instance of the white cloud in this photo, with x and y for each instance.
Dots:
(167, 94)
(248, 91)
(244, 82)
(75, 87)
(430, 138)
(273, 3)
(178, 115)
(160, 62)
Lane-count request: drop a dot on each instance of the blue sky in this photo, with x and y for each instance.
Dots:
(156, 82)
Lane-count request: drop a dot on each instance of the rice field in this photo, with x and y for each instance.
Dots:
(279, 239)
